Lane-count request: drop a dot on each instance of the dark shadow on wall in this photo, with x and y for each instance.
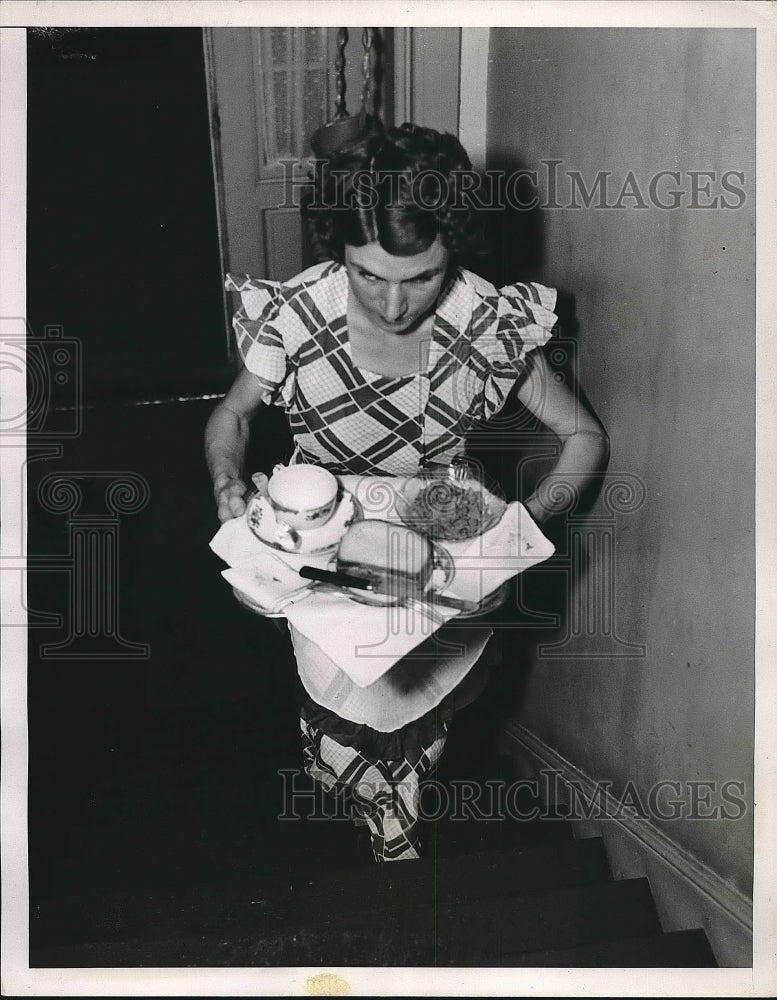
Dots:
(509, 205)
(517, 451)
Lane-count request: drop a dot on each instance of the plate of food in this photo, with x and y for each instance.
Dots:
(384, 563)
(396, 564)
(450, 505)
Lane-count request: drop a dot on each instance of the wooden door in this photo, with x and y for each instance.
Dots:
(269, 89)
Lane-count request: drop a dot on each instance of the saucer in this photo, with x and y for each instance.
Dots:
(313, 541)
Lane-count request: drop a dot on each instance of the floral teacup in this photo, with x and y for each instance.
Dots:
(302, 496)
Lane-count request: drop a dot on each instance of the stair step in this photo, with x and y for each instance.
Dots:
(240, 803)
(215, 786)
(460, 836)
(674, 950)
(181, 859)
(475, 933)
(172, 857)
(286, 896)
(202, 840)
(251, 781)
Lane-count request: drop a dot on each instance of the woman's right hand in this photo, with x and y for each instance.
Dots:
(229, 492)
(226, 438)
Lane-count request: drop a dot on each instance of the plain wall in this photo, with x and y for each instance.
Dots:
(666, 311)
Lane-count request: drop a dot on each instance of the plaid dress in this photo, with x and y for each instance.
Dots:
(293, 337)
(384, 794)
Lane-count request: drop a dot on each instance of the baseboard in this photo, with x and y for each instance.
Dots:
(688, 894)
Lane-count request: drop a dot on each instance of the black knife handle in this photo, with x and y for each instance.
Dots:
(339, 579)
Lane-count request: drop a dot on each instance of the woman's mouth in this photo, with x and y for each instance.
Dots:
(397, 324)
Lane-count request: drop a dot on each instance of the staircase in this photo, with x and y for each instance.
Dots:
(180, 860)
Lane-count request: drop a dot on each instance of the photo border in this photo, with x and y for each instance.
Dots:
(18, 979)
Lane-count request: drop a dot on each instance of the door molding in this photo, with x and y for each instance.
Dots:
(214, 122)
(473, 102)
(427, 77)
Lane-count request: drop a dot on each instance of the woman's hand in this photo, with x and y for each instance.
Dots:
(229, 492)
(226, 438)
(585, 445)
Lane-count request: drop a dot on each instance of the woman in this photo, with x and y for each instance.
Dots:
(384, 356)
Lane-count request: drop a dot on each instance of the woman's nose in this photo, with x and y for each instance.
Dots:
(394, 303)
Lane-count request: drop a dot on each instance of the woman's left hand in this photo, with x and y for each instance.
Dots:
(585, 445)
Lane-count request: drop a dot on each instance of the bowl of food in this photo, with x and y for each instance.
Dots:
(450, 505)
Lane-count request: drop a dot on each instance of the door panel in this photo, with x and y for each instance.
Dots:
(260, 131)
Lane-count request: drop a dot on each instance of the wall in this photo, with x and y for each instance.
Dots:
(665, 305)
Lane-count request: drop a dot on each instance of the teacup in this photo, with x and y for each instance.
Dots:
(302, 496)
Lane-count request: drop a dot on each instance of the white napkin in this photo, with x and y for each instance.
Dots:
(400, 695)
(266, 577)
(234, 542)
(363, 641)
(486, 562)
(267, 582)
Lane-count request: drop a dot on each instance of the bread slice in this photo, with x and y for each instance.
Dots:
(387, 553)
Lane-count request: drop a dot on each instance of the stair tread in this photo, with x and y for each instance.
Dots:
(462, 933)
(688, 949)
(437, 879)
(156, 853)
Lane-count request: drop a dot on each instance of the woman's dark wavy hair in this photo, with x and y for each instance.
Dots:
(400, 188)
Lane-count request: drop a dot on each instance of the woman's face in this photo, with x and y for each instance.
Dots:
(396, 293)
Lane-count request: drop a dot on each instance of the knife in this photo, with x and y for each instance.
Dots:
(360, 583)
(338, 579)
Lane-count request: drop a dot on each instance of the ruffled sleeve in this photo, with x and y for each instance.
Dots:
(258, 335)
(525, 321)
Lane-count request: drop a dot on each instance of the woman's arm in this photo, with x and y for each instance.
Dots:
(585, 445)
(226, 439)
